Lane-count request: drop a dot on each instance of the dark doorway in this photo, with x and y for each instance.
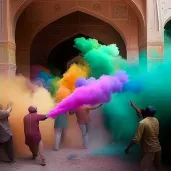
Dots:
(63, 53)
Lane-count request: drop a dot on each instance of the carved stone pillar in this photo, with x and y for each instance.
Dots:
(154, 34)
(155, 54)
(7, 48)
(133, 55)
(7, 59)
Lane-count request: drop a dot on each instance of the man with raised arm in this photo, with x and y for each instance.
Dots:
(147, 133)
(6, 133)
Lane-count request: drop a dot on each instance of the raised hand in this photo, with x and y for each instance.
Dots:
(131, 103)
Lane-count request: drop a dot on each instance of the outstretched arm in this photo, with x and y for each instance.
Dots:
(138, 110)
(42, 117)
(6, 113)
(71, 112)
(93, 108)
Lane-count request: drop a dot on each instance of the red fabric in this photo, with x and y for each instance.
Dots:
(83, 115)
(31, 128)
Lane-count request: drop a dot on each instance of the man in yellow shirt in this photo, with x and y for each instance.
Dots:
(147, 133)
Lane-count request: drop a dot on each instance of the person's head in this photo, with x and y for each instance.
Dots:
(32, 109)
(149, 111)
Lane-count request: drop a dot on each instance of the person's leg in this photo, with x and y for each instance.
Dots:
(84, 135)
(41, 153)
(34, 149)
(58, 133)
(147, 161)
(157, 160)
(8, 147)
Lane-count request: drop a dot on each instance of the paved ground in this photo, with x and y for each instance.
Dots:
(70, 160)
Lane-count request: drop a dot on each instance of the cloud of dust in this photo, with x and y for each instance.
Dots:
(22, 93)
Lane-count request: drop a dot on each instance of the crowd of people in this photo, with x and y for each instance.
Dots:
(147, 133)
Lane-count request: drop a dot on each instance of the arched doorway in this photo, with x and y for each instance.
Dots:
(165, 142)
(40, 14)
(66, 51)
(53, 46)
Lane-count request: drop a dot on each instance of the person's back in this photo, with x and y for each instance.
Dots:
(31, 124)
(32, 132)
(150, 140)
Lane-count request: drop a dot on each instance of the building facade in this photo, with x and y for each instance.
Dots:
(139, 23)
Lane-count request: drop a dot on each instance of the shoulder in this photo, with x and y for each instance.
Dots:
(142, 122)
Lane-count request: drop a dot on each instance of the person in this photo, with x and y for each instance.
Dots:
(32, 133)
(61, 123)
(83, 119)
(6, 133)
(147, 133)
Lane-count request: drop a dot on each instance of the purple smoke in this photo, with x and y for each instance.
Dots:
(98, 92)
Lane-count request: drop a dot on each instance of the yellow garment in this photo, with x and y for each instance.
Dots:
(147, 133)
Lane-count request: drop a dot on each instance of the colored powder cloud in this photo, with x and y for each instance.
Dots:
(22, 93)
(96, 93)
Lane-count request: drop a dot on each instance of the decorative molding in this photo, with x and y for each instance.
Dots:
(5, 66)
(97, 6)
(155, 44)
(155, 23)
(57, 7)
(119, 12)
(165, 10)
(7, 50)
(1, 16)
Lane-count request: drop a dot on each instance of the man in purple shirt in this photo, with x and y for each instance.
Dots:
(32, 133)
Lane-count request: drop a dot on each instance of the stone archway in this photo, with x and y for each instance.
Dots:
(67, 27)
(119, 15)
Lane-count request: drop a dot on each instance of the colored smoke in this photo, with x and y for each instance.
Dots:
(96, 93)
(22, 93)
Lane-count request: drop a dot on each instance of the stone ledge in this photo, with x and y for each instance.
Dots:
(4, 66)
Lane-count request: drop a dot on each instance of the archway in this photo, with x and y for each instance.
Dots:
(54, 44)
(36, 18)
(165, 142)
(66, 51)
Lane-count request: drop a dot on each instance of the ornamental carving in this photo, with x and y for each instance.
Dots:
(165, 9)
(1, 16)
(57, 7)
(97, 7)
(120, 12)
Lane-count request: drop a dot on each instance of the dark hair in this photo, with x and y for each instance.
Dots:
(149, 111)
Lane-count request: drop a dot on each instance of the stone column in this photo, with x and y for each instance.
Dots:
(155, 54)
(132, 54)
(7, 46)
(154, 34)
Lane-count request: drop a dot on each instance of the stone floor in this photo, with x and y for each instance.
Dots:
(70, 160)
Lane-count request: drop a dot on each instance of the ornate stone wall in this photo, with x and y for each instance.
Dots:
(7, 47)
(69, 26)
(116, 13)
